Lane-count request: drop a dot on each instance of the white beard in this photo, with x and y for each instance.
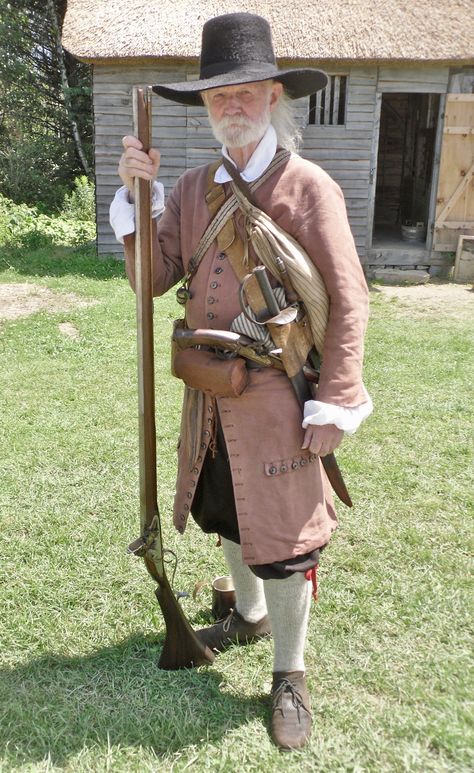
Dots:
(237, 131)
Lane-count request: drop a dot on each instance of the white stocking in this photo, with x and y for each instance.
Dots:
(248, 588)
(288, 603)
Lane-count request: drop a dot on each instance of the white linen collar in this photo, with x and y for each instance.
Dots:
(258, 161)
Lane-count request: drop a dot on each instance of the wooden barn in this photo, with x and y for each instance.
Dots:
(394, 127)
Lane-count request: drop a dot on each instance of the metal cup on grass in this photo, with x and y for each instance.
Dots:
(223, 596)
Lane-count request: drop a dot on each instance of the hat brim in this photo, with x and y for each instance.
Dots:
(298, 83)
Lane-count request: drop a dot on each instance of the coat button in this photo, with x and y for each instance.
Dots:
(214, 285)
(313, 458)
(294, 465)
(218, 270)
(209, 408)
(203, 445)
(189, 495)
(199, 458)
(206, 433)
(273, 470)
(210, 315)
(186, 507)
(283, 468)
(221, 256)
(211, 300)
(303, 462)
(195, 470)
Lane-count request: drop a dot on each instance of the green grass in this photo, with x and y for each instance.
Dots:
(389, 652)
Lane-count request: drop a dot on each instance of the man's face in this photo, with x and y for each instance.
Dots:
(240, 115)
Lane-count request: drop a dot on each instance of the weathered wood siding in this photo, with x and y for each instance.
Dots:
(185, 139)
(113, 120)
(345, 151)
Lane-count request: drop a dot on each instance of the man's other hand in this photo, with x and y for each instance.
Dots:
(322, 440)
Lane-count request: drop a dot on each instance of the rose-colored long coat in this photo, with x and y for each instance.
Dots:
(283, 499)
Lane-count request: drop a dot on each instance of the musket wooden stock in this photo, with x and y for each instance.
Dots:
(182, 648)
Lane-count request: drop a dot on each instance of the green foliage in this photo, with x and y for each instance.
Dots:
(36, 170)
(44, 92)
(80, 203)
(26, 227)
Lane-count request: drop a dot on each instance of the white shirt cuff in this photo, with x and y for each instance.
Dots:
(347, 419)
(122, 211)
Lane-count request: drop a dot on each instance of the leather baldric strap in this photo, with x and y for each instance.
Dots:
(295, 340)
(229, 241)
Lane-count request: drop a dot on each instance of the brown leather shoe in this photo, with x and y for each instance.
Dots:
(233, 629)
(291, 710)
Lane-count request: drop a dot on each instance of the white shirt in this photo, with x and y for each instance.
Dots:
(260, 159)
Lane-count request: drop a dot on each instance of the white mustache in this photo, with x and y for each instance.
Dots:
(235, 120)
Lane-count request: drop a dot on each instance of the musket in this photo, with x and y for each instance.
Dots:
(302, 390)
(182, 648)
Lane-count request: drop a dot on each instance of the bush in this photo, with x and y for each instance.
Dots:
(34, 171)
(80, 203)
(23, 226)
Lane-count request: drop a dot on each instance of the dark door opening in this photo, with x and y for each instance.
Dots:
(404, 169)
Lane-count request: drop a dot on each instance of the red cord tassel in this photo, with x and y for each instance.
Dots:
(312, 574)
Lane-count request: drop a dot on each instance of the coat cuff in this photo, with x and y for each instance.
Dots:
(347, 419)
(122, 211)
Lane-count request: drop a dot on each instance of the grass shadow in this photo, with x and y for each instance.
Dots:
(54, 706)
(61, 261)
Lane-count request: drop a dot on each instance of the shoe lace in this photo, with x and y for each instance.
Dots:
(228, 621)
(286, 686)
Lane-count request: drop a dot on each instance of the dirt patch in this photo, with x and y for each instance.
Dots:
(20, 300)
(453, 300)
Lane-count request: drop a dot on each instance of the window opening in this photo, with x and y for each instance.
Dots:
(328, 107)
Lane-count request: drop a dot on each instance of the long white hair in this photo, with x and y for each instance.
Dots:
(284, 122)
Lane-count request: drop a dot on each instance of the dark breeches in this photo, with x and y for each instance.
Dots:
(214, 511)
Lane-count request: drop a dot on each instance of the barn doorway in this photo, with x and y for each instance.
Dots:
(404, 170)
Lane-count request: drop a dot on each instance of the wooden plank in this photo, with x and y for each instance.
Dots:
(416, 74)
(336, 96)
(372, 183)
(396, 258)
(455, 195)
(464, 262)
(445, 247)
(336, 154)
(465, 130)
(435, 172)
(359, 125)
(460, 98)
(456, 224)
(415, 88)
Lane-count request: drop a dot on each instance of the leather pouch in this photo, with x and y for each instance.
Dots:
(204, 370)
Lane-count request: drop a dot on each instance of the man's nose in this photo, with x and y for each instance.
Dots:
(233, 105)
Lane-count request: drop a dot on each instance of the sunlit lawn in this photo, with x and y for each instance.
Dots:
(390, 648)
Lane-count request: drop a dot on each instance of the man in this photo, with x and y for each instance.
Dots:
(256, 478)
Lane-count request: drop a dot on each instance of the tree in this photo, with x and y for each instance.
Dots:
(45, 105)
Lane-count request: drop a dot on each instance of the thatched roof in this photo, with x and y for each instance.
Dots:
(323, 30)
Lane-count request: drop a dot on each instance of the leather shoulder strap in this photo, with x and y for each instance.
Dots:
(215, 195)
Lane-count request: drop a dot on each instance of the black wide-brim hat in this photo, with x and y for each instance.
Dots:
(237, 48)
